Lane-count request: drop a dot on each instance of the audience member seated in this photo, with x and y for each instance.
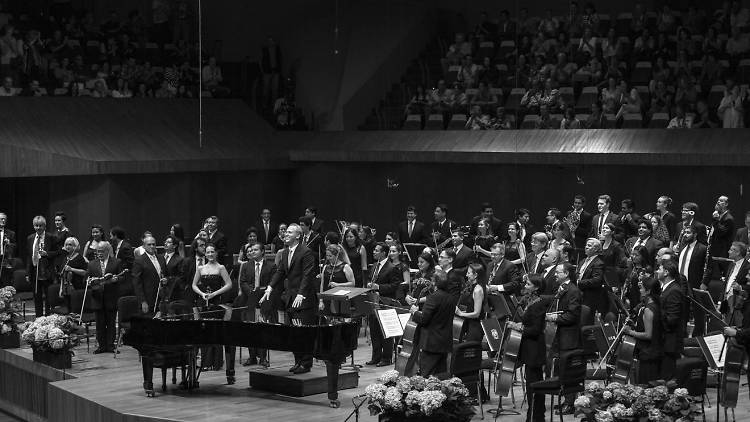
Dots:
(545, 119)
(501, 121)
(477, 120)
(597, 119)
(7, 89)
(703, 118)
(212, 79)
(731, 108)
(33, 90)
(484, 98)
(680, 121)
(570, 121)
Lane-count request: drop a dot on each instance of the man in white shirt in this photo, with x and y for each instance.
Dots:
(673, 317)
(736, 281)
(149, 276)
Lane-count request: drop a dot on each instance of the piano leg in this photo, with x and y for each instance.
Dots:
(229, 352)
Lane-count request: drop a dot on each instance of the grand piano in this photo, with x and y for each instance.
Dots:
(331, 343)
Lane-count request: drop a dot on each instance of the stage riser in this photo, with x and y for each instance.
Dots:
(315, 382)
(24, 386)
(65, 407)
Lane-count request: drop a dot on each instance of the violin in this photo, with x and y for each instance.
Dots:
(510, 359)
(406, 360)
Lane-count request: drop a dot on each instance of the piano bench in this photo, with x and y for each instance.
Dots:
(173, 360)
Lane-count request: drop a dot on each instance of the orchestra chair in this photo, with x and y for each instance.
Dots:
(87, 317)
(692, 373)
(569, 379)
(24, 289)
(466, 364)
(127, 308)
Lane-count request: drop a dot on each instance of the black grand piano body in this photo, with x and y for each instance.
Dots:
(331, 343)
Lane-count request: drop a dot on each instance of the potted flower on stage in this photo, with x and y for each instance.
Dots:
(52, 339)
(10, 317)
(397, 398)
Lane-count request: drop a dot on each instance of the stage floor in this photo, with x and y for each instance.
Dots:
(106, 386)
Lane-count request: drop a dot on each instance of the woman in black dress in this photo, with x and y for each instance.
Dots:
(639, 266)
(533, 350)
(615, 265)
(72, 272)
(515, 251)
(394, 255)
(210, 283)
(647, 332)
(178, 233)
(484, 240)
(357, 255)
(422, 285)
(336, 273)
(471, 302)
(97, 235)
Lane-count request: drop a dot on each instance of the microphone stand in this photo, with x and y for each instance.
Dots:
(355, 412)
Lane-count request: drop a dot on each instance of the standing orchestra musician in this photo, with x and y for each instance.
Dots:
(412, 230)
(736, 284)
(312, 239)
(515, 250)
(627, 224)
(177, 299)
(483, 241)
(40, 268)
(255, 276)
(590, 279)
(217, 238)
(357, 255)
(504, 276)
(647, 330)
(580, 222)
(421, 284)
(7, 248)
(692, 260)
(97, 236)
(385, 280)
(688, 212)
(674, 314)
(524, 228)
(149, 276)
(463, 253)
(533, 348)
(550, 260)
(495, 225)
(61, 233)
(667, 216)
(539, 242)
(441, 227)
(435, 321)
(104, 300)
(267, 229)
(316, 224)
(614, 259)
(723, 230)
(72, 272)
(471, 303)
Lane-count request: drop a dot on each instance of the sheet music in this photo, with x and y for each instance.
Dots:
(341, 293)
(715, 344)
(390, 323)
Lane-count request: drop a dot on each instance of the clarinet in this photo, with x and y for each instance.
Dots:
(710, 233)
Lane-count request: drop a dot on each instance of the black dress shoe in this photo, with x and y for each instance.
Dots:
(301, 370)
(264, 362)
(99, 350)
(372, 362)
(250, 361)
(294, 368)
(383, 363)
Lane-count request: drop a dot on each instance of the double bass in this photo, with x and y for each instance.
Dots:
(730, 382)
(511, 347)
(406, 360)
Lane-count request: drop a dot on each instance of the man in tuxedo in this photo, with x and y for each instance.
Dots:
(254, 278)
(692, 260)
(688, 212)
(581, 231)
(488, 213)
(294, 278)
(42, 250)
(176, 299)
(463, 252)
(311, 238)
(722, 226)
(643, 239)
(436, 325)
(104, 299)
(7, 248)
(539, 242)
(627, 224)
(149, 275)
(736, 283)
(525, 229)
(567, 301)
(384, 279)
(503, 274)
(316, 224)
(603, 217)
(124, 252)
(590, 276)
(217, 238)
(550, 260)
(441, 227)
(740, 235)
(267, 229)
(411, 230)
(673, 317)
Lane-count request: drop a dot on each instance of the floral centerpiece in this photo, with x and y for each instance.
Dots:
(52, 338)
(618, 403)
(399, 398)
(9, 319)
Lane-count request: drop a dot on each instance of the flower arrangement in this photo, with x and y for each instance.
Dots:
(418, 398)
(618, 403)
(51, 334)
(9, 311)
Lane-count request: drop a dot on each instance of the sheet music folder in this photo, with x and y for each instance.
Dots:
(346, 301)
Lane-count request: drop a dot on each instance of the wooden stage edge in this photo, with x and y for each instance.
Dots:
(102, 388)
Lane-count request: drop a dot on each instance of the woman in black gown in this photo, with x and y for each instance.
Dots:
(647, 332)
(421, 284)
(471, 302)
(484, 240)
(210, 283)
(72, 272)
(515, 251)
(336, 273)
(615, 265)
(357, 255)
(97, 235)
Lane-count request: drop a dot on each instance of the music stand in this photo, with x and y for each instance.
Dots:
(499, 306)
(495, 334)
(703, 299)
(413, 250)
(346, 302)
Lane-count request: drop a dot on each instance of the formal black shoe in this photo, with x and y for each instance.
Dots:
(372, 362)
(301, 370)
(383, 363)
(230, 380)
(566, 409)
(294, 368)
(264, 362)
(334, 404)
(99, 350)
(250, 361)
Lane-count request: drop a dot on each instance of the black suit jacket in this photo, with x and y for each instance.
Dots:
(247, 285)
(702, 234)
(146, 278)
(627, 229)
(388, 279)
(550, 285)
(568, 335)
(670, 222)
(741, 279)
(436, 322)
(696, 265)
(673, 317)
(611, 218)
(297, 278)
(463, 258)
(317, 226)
(741, 235)
(314, 242)
(533, 348)
(176, 287)
(591, 285)
(418, 234)
(105, 298)
(220, 242)
(46, 263)
(583, 230)
(273, 231)
(652, 246)
(506, 275)
(723, 234)
(124, 254)
(10, 248)
(444, 232)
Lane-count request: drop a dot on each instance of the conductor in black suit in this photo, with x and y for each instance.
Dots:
(436, 326)
(42, 250)
(148, 275)
(295, 279)
(384, 279)
(411, 230)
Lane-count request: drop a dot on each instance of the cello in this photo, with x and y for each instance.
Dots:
(510, 359)
(624, 360)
